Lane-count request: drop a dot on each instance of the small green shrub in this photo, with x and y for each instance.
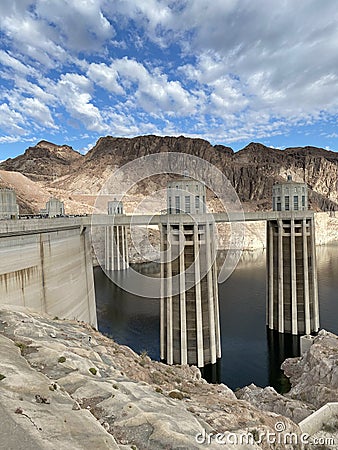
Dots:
(176, 394)
(255, 434)
(115, 386)
(21, 346)
(93, 371)
(2, 376)
(329, 428)
(143, 354)
(62, 359)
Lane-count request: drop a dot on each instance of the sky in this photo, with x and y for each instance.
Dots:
(229, 71)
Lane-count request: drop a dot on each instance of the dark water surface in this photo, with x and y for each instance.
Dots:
(250, 354)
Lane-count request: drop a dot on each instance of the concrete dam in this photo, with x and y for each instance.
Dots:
(46, 266)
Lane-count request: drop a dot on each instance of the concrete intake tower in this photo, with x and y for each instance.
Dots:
(190, 325)
(292, 291)
(116, 241)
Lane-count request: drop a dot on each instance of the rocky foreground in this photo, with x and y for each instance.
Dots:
(63, 385)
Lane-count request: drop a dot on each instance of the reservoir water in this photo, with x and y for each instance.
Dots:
(249, 353)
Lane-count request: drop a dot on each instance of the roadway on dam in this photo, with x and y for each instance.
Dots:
(18, 227)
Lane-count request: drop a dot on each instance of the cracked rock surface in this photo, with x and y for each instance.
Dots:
(314, 376)
(66, 385)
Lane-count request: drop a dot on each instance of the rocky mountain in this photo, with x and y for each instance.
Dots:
(44, 161)
(30, 195)
(252, 171)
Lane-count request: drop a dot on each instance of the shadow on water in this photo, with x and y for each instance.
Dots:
(212, 372)
(250, 354)
(280, 347)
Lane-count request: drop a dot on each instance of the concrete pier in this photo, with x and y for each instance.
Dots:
(292, 291)
(116, 241)
(190, 329)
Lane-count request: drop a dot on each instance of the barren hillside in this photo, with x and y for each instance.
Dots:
(76, 179)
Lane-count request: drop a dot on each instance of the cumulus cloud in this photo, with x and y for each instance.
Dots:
(51, 33)
(226, 70)
(284, 57)
(13, 63)
(33, 108)
(32, 39)
(153, 91)
(106, 77)
(11, 120)
(73, 92)
(81, 24)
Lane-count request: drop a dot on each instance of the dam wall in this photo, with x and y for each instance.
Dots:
(49, 271)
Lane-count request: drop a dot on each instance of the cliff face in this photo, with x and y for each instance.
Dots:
(252, 171)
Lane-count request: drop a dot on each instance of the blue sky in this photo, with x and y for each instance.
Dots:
(229, 71)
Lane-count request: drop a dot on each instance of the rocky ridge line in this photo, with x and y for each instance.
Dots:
(252, 171)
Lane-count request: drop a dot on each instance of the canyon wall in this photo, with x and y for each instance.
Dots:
(77, 179)
(326, 227)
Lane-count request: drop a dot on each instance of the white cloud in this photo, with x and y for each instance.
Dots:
(106, 77)
(81, 24)
(11, 139)
(153, 91)
(225, 70)
(51, 32)
(11, 120)
(7, 60)
(74, 93)
(25, 87)
(88, 147)
(284, 57)
(33, 108)
(150, 14)
(33, 39)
